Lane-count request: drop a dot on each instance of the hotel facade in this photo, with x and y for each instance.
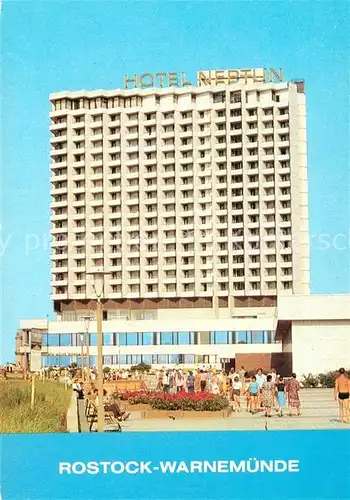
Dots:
(194, 202)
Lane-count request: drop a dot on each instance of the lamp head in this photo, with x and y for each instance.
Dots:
(87, 320)
(98, 282)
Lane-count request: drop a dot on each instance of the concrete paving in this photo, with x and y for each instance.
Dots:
(318, 411)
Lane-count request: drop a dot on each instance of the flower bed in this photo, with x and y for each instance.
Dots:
(181, 401)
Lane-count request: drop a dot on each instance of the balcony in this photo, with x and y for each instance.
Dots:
(58, 217)
(168, 135)
(150, 162)
(79, 125)
(59, 296)
(132, 175)
(114, 136)
(134, 162)
(166, 161)
(284, 197)
(96, 177)
(58, 126)
(58, 139)
(58, 204)
(58, 177)
(57, 191)
(128, 149)
(168, 147)
(60, 256)
(205, 133)
(59, 269)
(93, 229)
(59, 230)
(58, 152)
(60, 282)
(170, 280)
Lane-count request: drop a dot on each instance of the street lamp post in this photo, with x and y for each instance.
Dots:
(98, 285)
(87, 320)
(82, 356)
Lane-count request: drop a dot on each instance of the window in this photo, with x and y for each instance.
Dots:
(241, 337)
(185, 338)
(53, 340)
(147, 338)
(166, 338)
(108, 339)
(131, 339)
(189, 359)
(258, 337)
(65, 339)
(93, 340)
(219, 338)
(162, 359)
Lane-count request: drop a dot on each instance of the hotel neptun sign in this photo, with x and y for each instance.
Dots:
(212, 77)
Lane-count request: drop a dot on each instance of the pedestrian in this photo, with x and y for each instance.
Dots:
(273, 374)
(260, 378)
(241, 374)
(254, 391)
(268, 390)
(190, 382)
(172, 381)
(203, 380)
(214, 386)
(281, 396)
(78, 389)
(236, 393)
(341, 394)
(165, 382)
(197, 381)
(179, 381)
(292, 389)
(159, 386)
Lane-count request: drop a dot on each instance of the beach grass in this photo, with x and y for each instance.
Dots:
(50, 407)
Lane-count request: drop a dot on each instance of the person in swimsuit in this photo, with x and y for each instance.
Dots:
(342, 394)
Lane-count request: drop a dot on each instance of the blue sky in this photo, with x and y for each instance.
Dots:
(51, 46)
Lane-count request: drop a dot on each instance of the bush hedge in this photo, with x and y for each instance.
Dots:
(325, 380)
(183, 401)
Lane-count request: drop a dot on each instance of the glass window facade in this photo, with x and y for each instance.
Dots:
(163, 338)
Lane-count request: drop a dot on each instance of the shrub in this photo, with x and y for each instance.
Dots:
(106, 369)
(141, 367)
(310, 381)
(325, 380)
(202, 401)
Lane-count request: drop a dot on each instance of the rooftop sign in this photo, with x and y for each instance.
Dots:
(213, 77)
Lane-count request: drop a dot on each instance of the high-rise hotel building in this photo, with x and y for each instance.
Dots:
(194, 201)
(179, 193)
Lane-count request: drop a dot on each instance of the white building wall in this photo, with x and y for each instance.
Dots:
(320, 346)
(314, 307)
(167, 325)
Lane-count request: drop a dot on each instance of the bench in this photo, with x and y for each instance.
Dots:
(111, 424)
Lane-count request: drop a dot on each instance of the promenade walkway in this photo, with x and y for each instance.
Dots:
(318, 411)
